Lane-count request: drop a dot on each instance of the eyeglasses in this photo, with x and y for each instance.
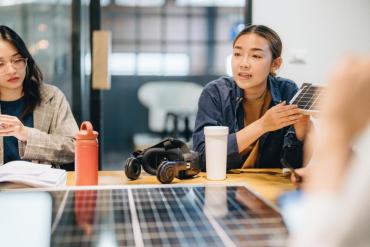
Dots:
(18, 64)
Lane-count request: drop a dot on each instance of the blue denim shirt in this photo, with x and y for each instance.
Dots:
(220, 104)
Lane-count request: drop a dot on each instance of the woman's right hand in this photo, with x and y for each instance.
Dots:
(12, 126)
(279, 116)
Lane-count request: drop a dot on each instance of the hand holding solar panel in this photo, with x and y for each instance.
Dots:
(308, 98)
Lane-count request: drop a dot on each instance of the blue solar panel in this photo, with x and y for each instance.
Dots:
(308, 97)
(165, 216)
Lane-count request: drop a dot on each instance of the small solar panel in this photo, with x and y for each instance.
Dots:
(308, 98)
(165, 216)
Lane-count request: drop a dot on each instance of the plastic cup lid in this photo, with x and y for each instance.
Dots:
(216, 130)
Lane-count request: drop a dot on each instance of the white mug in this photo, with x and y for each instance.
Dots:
(216, 151)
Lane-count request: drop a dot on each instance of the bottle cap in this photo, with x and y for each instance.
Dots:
(86, 132)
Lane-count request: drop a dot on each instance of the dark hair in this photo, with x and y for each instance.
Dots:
(33, 78)
(265, 32)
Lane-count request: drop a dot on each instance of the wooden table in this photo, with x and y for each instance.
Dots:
(269, 183)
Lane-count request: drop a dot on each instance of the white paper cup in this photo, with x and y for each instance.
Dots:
(216, 151)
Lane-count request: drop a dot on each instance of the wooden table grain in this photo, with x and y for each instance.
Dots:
(269, 183)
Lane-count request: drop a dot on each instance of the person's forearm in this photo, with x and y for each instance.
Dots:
(300, 133)
(302, 129)
(328, 171)
(329, 161)
(248, 135)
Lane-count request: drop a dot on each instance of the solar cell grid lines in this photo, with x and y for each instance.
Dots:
(165, 216)
(308, 98)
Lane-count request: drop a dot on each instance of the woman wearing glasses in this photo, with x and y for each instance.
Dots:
(36, 122)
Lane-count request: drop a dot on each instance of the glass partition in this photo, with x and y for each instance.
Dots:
(45, 26)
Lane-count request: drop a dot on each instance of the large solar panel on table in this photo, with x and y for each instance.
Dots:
(308, 97)
(165, 216)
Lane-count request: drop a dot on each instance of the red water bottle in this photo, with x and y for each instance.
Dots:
(86, 155)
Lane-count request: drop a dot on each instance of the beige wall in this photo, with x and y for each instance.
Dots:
(318, 31)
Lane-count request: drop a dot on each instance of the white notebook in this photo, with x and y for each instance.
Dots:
(32, 174)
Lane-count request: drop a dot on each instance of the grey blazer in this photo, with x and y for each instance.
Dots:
(52, 138)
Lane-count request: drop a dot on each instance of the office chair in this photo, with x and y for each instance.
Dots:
(172, 109)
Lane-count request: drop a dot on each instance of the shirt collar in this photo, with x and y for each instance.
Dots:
(273, 86)
(274, 89)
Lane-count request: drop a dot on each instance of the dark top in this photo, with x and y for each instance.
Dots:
(14, 108)
(221, 104)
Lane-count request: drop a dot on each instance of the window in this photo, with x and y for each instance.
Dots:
(149, 64)
(218, 3)
(140, 2)
(171, 37)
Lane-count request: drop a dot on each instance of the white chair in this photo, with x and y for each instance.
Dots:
(168, 103)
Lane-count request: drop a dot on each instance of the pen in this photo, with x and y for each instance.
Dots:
(291, 169)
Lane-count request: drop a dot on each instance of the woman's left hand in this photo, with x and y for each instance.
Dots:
(12, 126)
(302, 126)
